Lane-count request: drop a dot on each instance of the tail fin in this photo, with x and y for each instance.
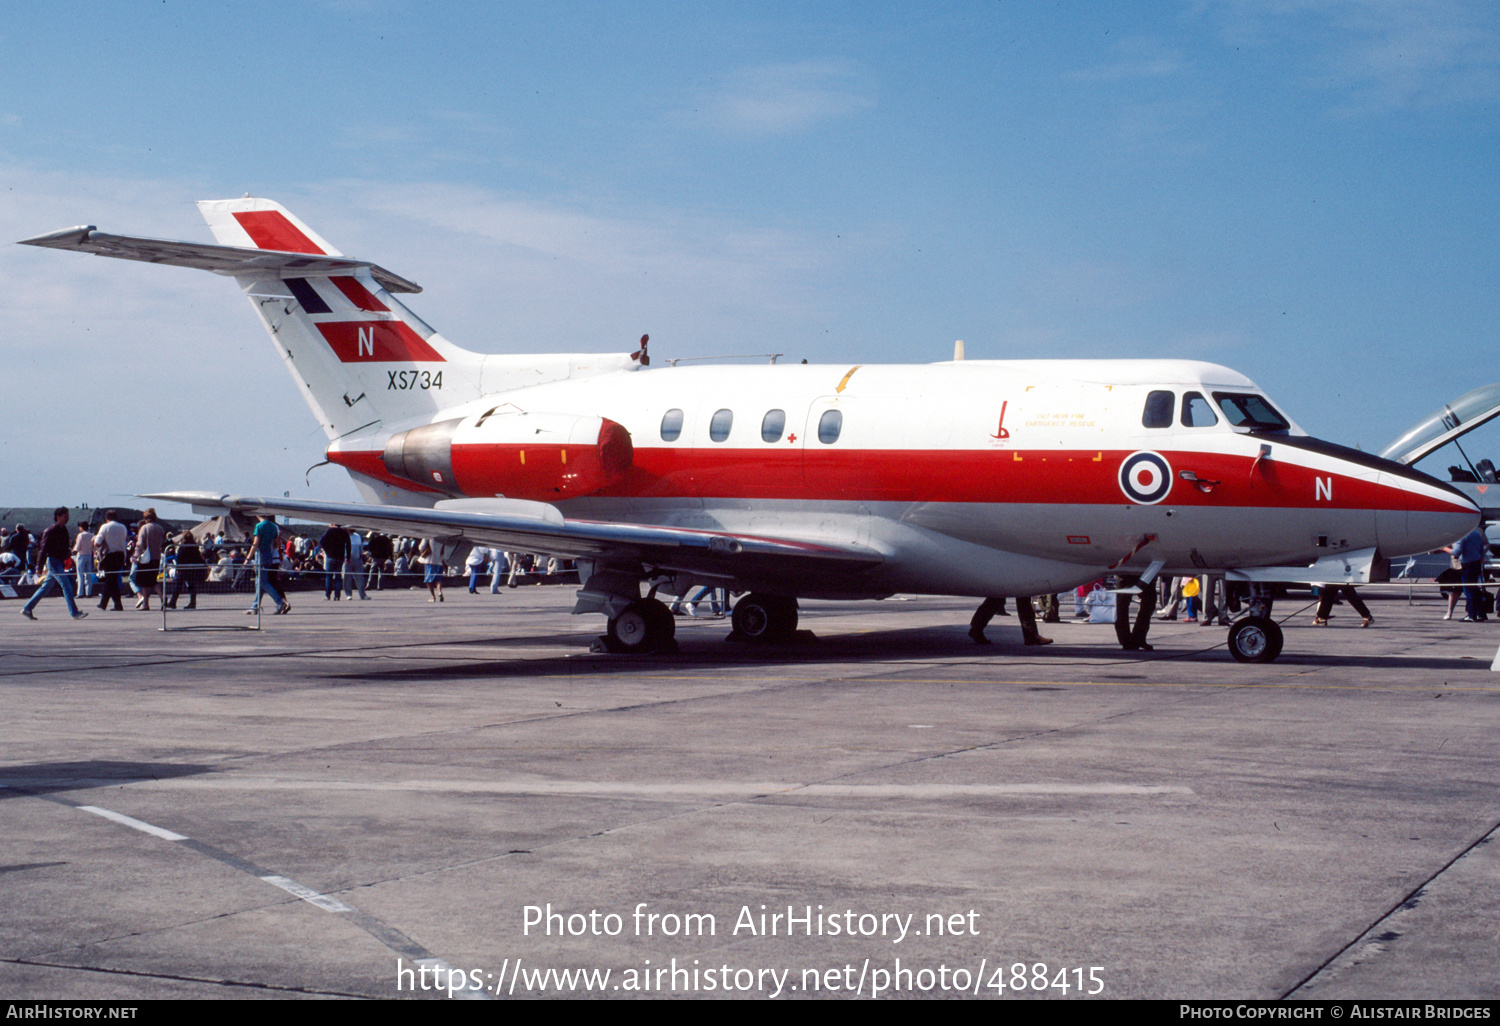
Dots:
(362, 361)
(357, 354)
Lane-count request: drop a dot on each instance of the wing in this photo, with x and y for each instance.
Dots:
(231, 260)
(518, 525)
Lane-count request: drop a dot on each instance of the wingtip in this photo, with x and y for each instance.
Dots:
(64, 238)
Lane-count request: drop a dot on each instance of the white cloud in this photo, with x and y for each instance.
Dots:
(1381, 55)
(779, 99)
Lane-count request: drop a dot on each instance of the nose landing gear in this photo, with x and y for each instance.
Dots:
(1255, 639)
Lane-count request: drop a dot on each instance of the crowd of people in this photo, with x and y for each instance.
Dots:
(142, 560)
(142, 556)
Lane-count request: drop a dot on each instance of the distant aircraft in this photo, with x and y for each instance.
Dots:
(786, 482)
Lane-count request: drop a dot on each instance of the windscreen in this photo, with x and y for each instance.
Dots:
(1250, 411)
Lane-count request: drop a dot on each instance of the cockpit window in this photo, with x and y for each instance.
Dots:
(1158, 410)
(1197, 411)
(1250, 411)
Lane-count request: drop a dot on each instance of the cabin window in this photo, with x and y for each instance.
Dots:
(772, 425)
(1158, 410)
(1249, 411)
(829, 426)
(1197, 411)
(671, 426)
(718, 427)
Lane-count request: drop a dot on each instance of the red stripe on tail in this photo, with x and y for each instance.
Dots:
(377, 342)
(269, 229)
(358, 294)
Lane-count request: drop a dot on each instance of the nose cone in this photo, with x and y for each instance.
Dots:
(1426, 513)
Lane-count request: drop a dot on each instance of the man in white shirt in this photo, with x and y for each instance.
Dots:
(354, 567)
(83, 560)
(110, 545)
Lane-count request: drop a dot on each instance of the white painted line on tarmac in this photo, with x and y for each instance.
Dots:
(307, 894)
(392, 938)
(134, 824)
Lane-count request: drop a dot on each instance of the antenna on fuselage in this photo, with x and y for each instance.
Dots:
(958, 350)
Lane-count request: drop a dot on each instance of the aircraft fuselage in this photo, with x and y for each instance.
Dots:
(1039, 473)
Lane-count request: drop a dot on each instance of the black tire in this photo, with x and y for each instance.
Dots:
(666, 623)
(642, 626)
(765, 618)
(1255, 639)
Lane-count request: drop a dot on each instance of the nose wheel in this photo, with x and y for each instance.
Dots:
(1255, 639)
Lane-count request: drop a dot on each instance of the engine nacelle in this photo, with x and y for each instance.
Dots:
(540, 456)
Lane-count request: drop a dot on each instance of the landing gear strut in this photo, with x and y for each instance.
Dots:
(764, 618)
(645, 625)
(1255, 639)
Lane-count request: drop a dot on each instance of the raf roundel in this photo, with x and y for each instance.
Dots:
(1145, 477)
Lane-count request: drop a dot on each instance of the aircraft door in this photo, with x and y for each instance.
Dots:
(830, 466)
(838, 477)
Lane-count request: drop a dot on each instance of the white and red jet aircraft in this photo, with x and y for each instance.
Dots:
(847, 481)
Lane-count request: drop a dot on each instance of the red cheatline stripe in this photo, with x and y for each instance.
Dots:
(993, 476)
(269, 229)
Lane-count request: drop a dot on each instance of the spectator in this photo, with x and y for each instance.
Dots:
(335, 543)
(150, 542)
(83, 560)
(1470, 551)
(110, 545)
(432, 570)
(190, 571)
(51, 554)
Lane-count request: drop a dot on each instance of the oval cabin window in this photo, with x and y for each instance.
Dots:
(718, 427)
(671, 426)
(772, 425)
(829, 426)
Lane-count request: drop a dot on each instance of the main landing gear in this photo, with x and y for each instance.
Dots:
(764, 618)
(646, 625)
(1255, 639)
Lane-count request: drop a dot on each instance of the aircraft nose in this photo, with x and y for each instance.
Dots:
(1426, 514)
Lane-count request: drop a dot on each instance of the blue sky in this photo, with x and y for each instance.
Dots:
(1302, 191)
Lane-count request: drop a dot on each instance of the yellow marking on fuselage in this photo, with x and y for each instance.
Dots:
(845, 382)
(1017, 456)
(523, 457)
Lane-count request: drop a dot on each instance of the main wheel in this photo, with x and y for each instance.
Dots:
(758, 617)
(1255, 639)
(642, 626)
